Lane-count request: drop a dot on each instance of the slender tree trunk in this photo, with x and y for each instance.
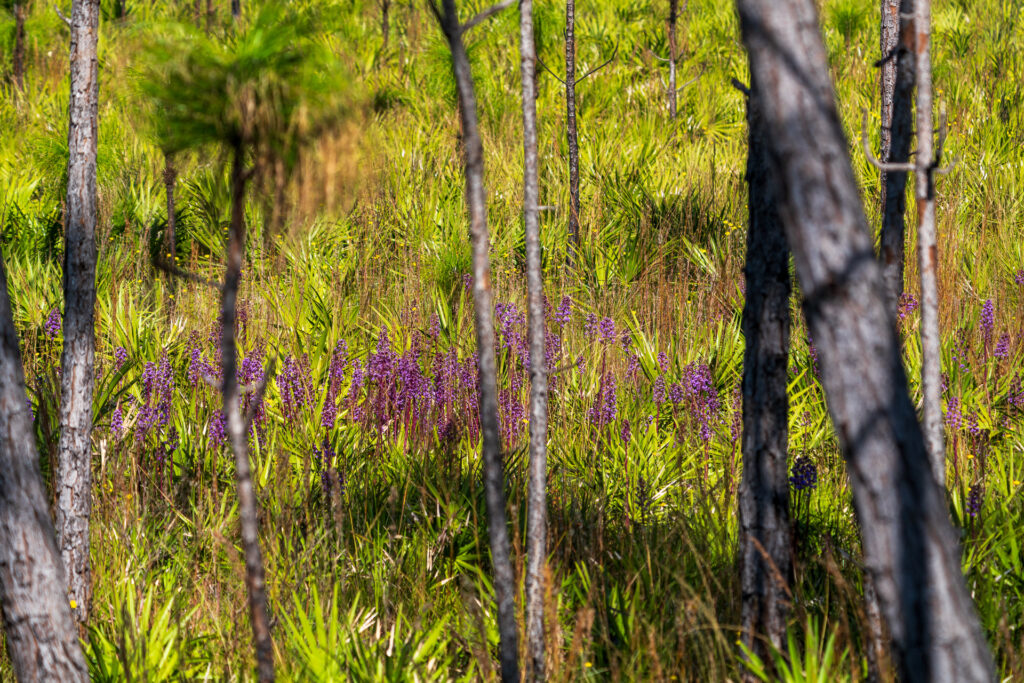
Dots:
(170, 178)
(574, 145)
(673, 16)
(764, 534)
(536, 523)
(504, 577)
(74, 445)
(909, 544)
(927, 251)
(897, 80)
(42, 639)
(255, 581)
(19, 46)
(385, 22)
(236, 10)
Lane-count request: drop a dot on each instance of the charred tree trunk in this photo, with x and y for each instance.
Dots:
(536, 522)
(170, 178)
(255, 581)
(504, 577)
(897, 79)
(673, 17)
(573, 137)
(764, 534)
(236, 10)
(927, 251)
(909, 544)
(18, 61)
(74, 450)
(385, 22)
(42, 640)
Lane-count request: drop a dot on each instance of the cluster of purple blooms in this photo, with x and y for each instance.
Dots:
(907, 305)
(805, 474)
(52, 324)
(974, 500)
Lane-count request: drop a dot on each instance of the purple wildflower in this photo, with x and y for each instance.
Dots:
(120, 357)
(974, 500)
(563, 312)
(625, 433)
(590, 326)
(218, 429)
(954, 415)
(658, 390)
(988, 321)
(805, 474)
(607, 328)
(52, 325)
(1003, 346)
(117, 422)
(663, 361)
(907, 305)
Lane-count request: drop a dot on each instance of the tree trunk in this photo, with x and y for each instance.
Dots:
(19, 46)
(673, 16)
(385, 22)
(42, 640)
(74, 447)
(897, 79)
(909, 544)
(170, 178)
(927, 252)
(536, 523)
(254, 577)
(574, 145)
(764, 535)
(504, 577)
(236, 10)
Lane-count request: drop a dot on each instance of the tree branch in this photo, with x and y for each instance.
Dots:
(690, 82)
(596, 69)
(62, 16)
(486, 14)
(881, 165)
(545, 67)
(738, 84)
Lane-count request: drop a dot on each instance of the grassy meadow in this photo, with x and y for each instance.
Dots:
(366, 451)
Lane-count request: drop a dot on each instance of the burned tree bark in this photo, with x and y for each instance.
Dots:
(909, 544)
(897, 81)
(927, 251)
(571, 132)
(493, 466)
(764, 533)
(42, 640)
(74, 473)
(236, 10)
(18, 58)
(673, 16)
(536, 524)
(255, 580)
(170, 179)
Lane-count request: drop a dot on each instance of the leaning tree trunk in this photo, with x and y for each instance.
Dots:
(673, 16)
(73, 447)
(504, 577)
(42, 639)
(927, 252)
(573, 137)
(764, 535)
(536, 523)
(18, 58)
(897, 81)
(909, 544)
(255, 581)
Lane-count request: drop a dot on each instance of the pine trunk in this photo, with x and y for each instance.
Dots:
(764, 531)
(493, 466)
(573, 137)
(42, 639)
(536, 524)
(673, 16)
(255, 581)
(74, 450)
(910, 547)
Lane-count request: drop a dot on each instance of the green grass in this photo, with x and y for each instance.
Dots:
(391, 581)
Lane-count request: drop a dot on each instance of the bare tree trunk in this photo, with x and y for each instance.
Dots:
(504, 577)
(927, 252)
(897, 80)
(764, 535)
(254, 577)
(74, 445)
(574, 145)
(909, 544)
(673, 16)
(236, 10)
(42, 640)
(19, 46)
(385, 22)
(536, 531)
(170, 178)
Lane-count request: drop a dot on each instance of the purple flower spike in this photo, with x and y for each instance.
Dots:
(564, 311)
(954, 416)
(805, 474)
(590, 326)
(1003, 347)
(988, 321)
(663, 361)
(120, 357)
(625, 433)
(607, 327)
(52, 326)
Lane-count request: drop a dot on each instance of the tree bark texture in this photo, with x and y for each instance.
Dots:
(493, 467)
(536, 531)
(170, 179)
(673, 17)
(255, 580)
(18, 58)
(764, 529)
(927, 251)
(909, 544)
(74, 444)
(897, 82)
(42, 639)
(572, 134)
